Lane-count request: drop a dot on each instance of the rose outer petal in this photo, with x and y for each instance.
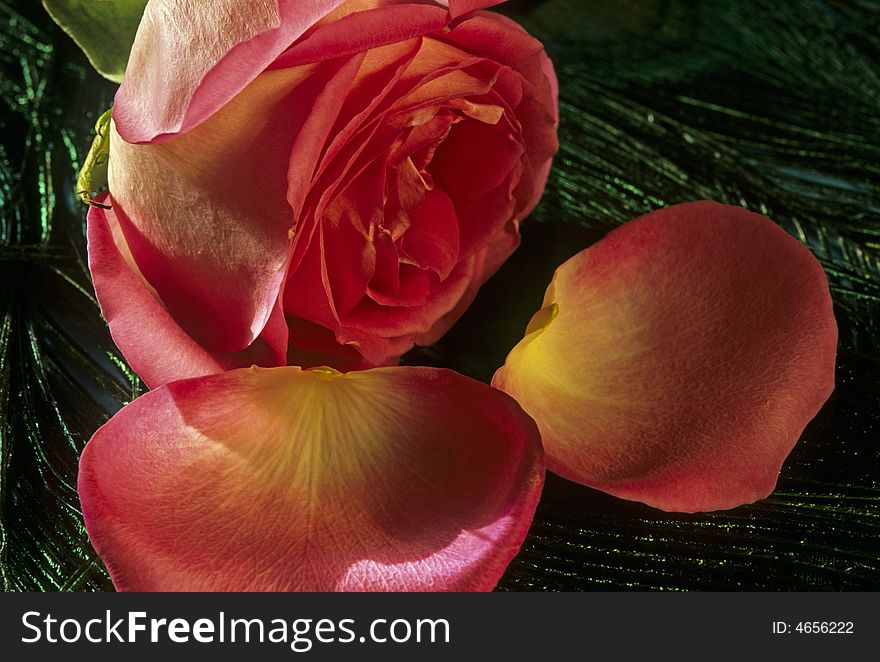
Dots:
(677, 361)
(153, 343)
(361, 31)
(207, 217)
(506, 42)
(460, 7)
(283, 479)
(189, 59)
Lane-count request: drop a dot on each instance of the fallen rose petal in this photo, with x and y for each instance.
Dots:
(677, 361)
(284, 479)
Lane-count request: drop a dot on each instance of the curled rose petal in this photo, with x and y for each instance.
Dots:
(461, 7)
(153, 343)
(206, 216)
(677, 361)
(284, 479)
(189, 59)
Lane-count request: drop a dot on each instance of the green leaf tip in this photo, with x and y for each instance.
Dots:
(103, 29)
(93, 175)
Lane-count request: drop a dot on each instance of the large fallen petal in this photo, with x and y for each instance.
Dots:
(284, 479)
(677, 361)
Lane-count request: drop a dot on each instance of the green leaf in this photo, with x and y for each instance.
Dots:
(104, 29)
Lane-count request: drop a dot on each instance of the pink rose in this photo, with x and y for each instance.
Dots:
(328, 183)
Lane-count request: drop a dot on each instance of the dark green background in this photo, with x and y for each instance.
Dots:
(773, 106)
